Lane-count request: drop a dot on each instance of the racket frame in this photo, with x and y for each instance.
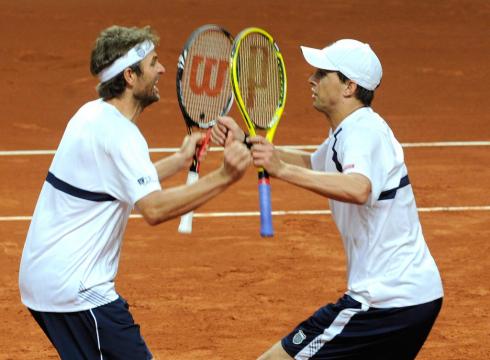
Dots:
(266, 227)
(193, 174)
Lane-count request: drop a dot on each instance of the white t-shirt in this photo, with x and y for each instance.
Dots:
(71, 254)
(388, 262)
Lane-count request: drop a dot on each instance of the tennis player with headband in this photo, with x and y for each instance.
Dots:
(101, 170)
(394, 290)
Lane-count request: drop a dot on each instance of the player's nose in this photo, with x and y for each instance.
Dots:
(161, 68)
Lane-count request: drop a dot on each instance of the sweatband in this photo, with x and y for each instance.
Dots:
(134, 55)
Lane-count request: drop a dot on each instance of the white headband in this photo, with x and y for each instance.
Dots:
(134, 55)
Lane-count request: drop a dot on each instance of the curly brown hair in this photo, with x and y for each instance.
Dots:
(111, 44)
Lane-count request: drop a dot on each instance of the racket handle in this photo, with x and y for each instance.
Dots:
(204, 144)
(266, 229)
(185, 226)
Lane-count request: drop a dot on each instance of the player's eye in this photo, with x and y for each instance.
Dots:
(321, 73)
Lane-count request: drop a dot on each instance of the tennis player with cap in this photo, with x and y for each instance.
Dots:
(394, 291)
(101, 170)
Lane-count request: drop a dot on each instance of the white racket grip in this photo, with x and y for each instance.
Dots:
(185, 226)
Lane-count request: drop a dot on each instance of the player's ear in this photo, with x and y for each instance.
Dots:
(129, 76)
(350, 88)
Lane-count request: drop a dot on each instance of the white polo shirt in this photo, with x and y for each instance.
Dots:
(71, 254)
(388, 262)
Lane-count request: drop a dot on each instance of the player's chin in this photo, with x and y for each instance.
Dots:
(317, 107)
(155, 94)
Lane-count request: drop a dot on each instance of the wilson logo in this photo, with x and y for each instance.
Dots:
(212, 76)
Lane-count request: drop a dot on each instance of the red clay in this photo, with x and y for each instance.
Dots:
(223, 292)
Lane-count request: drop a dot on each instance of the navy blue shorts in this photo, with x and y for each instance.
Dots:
(105, 332)
(349, 330)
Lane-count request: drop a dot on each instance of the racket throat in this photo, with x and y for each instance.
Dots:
(264, 178)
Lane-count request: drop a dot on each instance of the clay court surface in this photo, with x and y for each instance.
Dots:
(223, 292)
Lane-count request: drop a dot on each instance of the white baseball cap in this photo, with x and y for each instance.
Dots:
(352, 58)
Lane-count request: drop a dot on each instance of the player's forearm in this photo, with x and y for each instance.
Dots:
(351, 188)
(295, 157)
(169, 165)
(170, 203)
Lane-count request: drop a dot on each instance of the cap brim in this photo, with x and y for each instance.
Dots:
(317, 58)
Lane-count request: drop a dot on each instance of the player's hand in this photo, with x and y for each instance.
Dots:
(237, 158)
(265, 156)
(189, 146)
(225, 125)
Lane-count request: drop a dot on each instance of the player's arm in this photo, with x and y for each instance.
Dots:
(160, 206)
(352, 188)
(295, 157)
(180, 160)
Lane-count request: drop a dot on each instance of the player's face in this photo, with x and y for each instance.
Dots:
(327, 90)
(146, 90)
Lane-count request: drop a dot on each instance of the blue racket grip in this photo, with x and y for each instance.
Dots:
(266, 229)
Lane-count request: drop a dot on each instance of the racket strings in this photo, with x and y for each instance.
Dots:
(206, 89)
(259, 80)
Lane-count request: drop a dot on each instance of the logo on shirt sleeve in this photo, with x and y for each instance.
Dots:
(145, 180)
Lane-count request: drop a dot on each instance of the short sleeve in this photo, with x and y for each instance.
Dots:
(133, 175)
(368, 152)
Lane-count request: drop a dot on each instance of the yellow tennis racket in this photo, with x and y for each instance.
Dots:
(258, 77)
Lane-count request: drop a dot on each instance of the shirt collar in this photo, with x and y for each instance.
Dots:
(353, 117)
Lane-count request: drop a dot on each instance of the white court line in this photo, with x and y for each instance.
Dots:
(276, 213)
(283, 212)
(298, 147)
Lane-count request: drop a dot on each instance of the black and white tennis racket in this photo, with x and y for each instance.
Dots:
(203, 89)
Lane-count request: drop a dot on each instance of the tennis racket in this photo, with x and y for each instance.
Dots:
(203, 89)
(259, 84)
